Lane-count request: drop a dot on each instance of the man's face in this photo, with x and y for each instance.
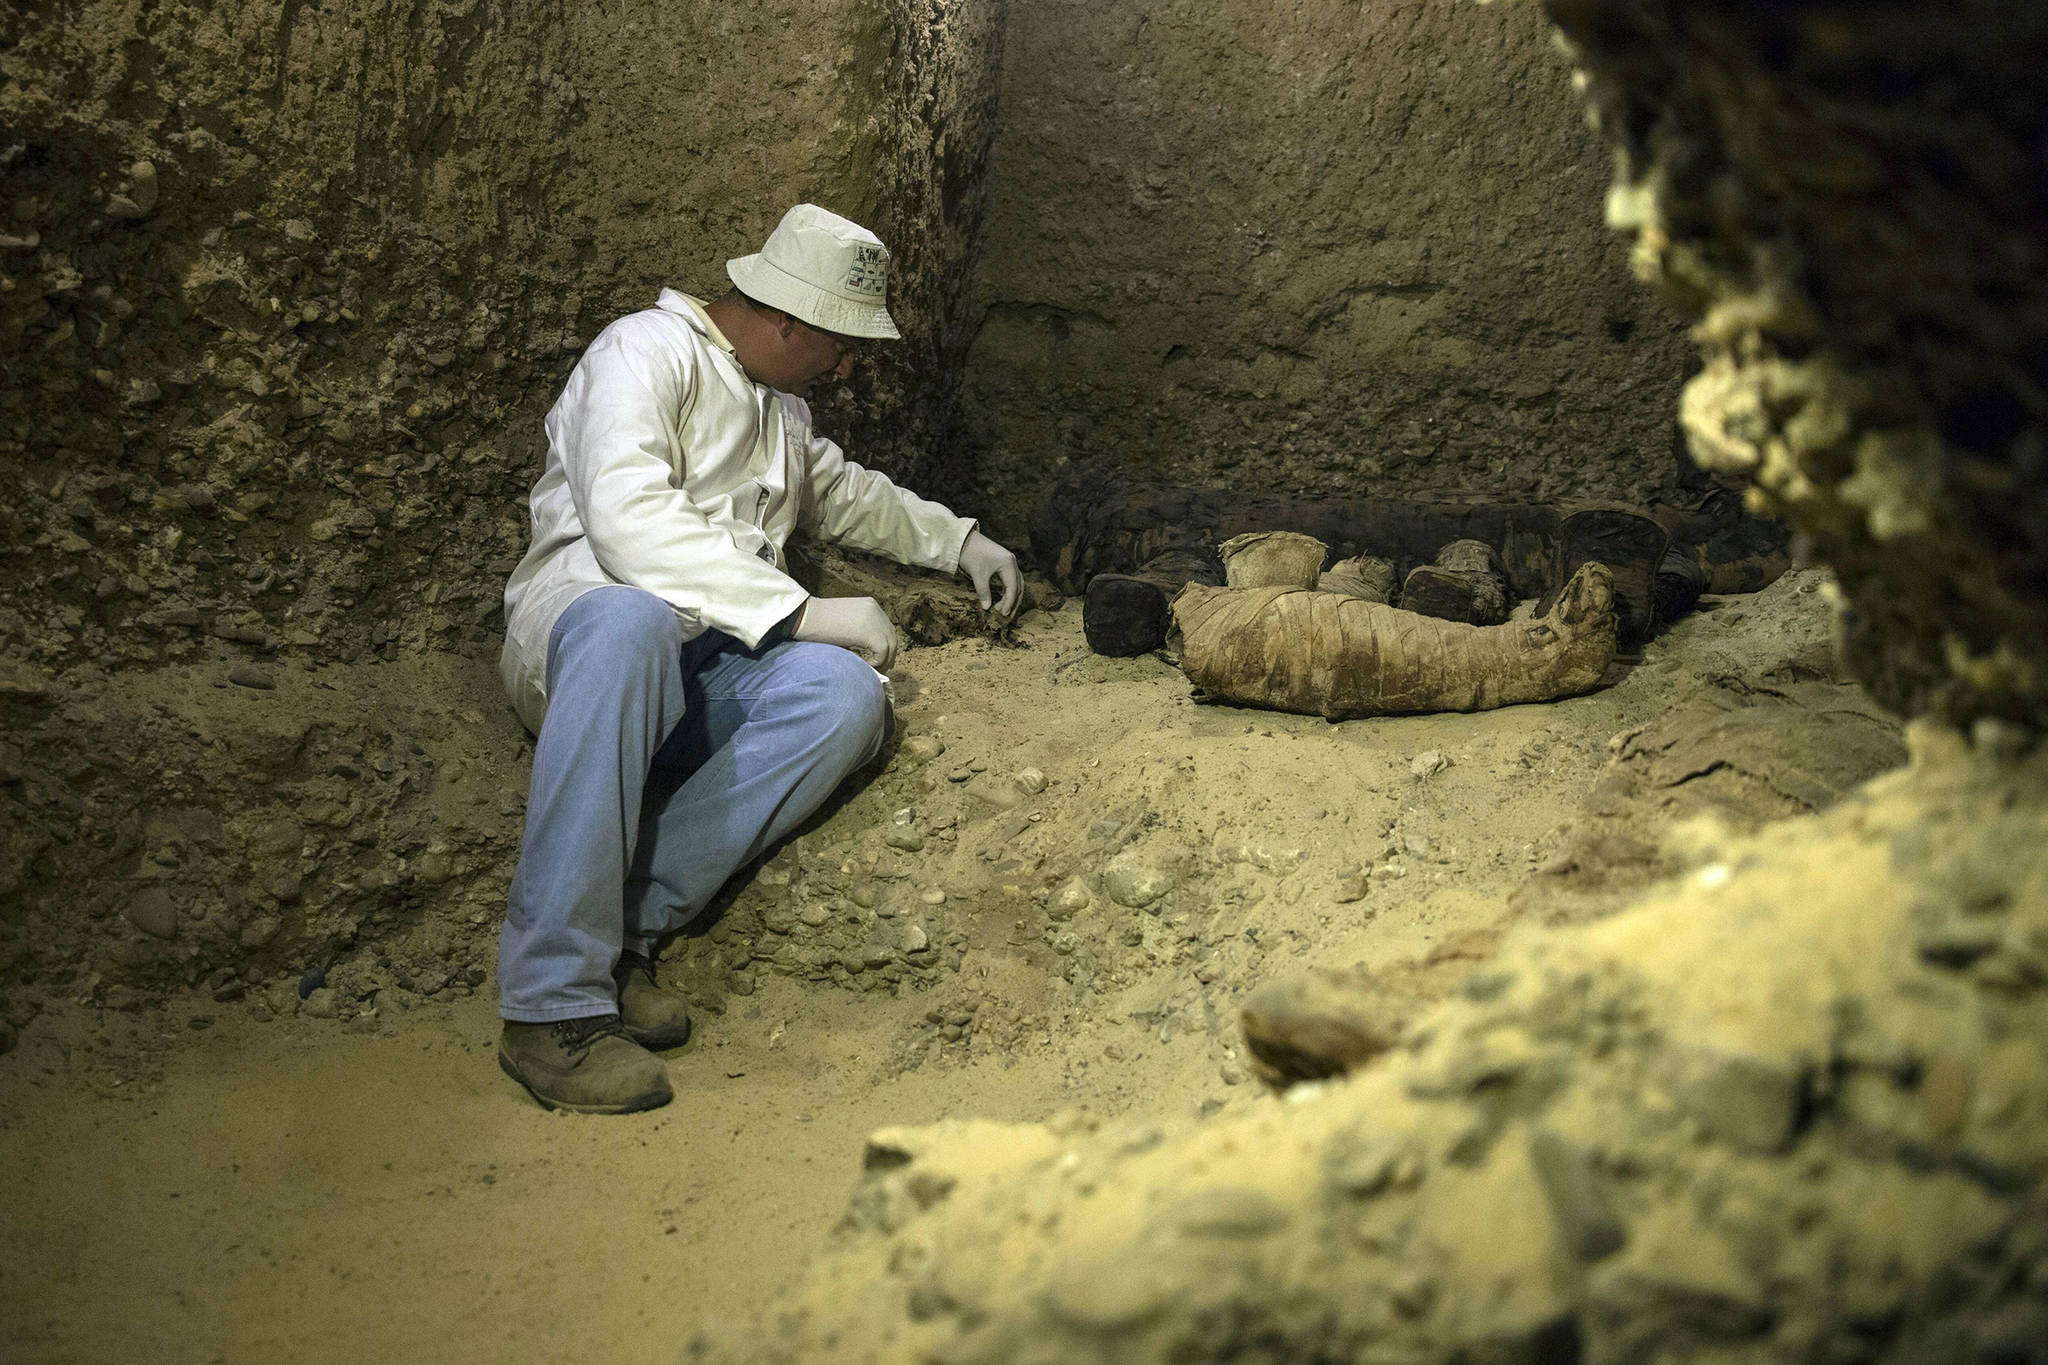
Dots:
(796, 355)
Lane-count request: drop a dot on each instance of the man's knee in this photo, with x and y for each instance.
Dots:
(622, 624)
(846, 694)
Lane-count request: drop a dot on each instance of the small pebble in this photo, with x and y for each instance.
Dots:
(252, 677)
(923, 748)
(1413, 1291)
(153, 912)
(1031, 780)
(1072, 897)
(1427, 763)
(2002, 739)
(1135, 883)
(1001, 795)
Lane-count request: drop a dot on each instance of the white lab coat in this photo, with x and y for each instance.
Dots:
(669, 470)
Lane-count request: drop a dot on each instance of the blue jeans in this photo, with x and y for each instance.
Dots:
(662, 767)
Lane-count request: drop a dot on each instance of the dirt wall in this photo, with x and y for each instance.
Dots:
(287, 291)
(1853, 202)
(1327, 246)
(296, 284)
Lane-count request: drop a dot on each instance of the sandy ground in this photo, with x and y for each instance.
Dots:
(304, 1190)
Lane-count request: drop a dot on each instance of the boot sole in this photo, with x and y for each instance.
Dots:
(659, 1040)
(653, 1099)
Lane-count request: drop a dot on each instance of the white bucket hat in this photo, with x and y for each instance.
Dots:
(824, 269)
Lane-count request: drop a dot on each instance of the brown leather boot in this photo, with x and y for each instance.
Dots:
(586, 1066)
(651, 1016)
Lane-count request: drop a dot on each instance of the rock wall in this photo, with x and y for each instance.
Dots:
(1854, 204)
(290, 288)
(1328, 246)
(932, 131)
(285, 291)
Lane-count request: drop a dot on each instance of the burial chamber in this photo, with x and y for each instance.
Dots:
(288, 288)
(1777, 1109)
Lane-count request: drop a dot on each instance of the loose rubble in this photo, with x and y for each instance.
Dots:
(1775, 1099)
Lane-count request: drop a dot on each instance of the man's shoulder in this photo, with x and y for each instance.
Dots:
(654, 344)
(794, 409)
(652, 329)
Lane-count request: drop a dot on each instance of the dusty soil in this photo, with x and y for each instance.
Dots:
(369, 1186)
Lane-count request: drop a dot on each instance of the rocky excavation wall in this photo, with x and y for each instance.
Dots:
(1326, 246)
(285, 291)
(1853, 202)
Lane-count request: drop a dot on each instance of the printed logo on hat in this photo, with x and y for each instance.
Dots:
(869, 273)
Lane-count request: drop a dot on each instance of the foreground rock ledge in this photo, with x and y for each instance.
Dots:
(1787, 1108)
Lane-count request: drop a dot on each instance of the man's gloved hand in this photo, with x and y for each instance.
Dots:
(982, 560)
(855, 623)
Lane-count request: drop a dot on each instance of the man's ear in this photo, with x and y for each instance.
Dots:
(786, 325)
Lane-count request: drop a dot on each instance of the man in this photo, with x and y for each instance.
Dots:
(692, 703)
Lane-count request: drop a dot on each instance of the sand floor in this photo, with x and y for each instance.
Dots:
(304, 1190)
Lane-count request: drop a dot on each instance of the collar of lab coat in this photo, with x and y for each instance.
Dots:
(691, 310)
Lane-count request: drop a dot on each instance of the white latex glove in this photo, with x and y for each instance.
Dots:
(982, 560)
(855, 623)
